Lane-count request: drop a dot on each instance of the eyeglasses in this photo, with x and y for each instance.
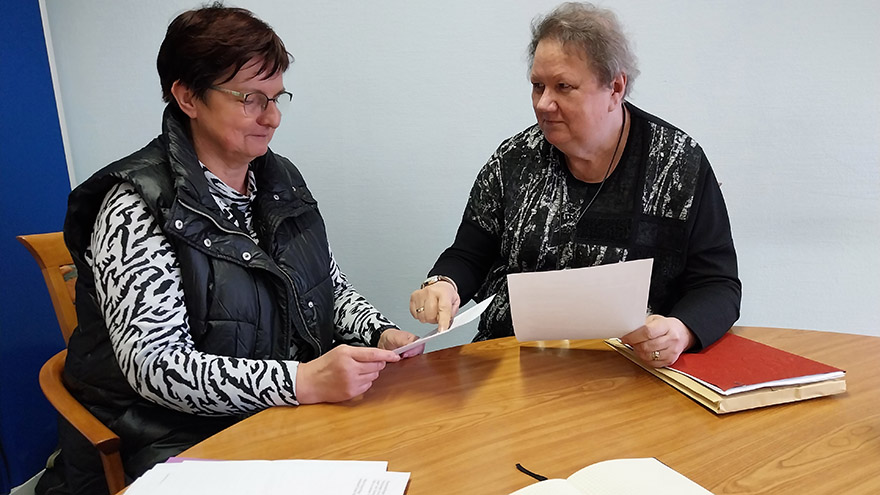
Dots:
(256, 103)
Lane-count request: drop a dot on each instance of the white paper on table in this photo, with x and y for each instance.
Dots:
(459, 320)
(384, 483)
(284, 476)
(596, 302)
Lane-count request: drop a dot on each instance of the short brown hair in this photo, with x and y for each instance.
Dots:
(204, 45)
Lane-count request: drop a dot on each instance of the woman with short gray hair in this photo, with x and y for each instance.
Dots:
(596, 33)
(595, 181)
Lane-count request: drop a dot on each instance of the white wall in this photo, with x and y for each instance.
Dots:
(399, 103)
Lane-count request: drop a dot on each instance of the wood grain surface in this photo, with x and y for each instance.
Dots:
(459, 420)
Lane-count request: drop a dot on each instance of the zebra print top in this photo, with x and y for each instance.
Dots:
(139, 289)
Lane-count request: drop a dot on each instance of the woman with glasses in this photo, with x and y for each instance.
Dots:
(207, 289)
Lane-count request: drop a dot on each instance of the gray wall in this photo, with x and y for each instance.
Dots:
(399, 103)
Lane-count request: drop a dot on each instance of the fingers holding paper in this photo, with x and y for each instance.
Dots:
(393, 338)
(436, 303)
(660, 340)
(342, 373)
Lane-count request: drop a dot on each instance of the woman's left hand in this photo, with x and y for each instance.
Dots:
(660, 340)
(393, 338)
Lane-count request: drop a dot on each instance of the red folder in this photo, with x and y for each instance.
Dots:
(736, 361)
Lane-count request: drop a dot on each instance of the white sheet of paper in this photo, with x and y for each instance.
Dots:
(284, 476)
(384, 483)
(460, 319)
(595, 302)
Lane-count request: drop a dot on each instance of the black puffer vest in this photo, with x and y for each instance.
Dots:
(272, 300)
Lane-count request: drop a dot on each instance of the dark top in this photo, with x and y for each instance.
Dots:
(250, 306)
(662, 201)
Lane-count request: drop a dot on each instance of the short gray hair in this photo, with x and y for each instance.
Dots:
(594, 31)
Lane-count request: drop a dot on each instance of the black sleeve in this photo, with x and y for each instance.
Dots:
(711, 289)
(469, 259)
(477, 245)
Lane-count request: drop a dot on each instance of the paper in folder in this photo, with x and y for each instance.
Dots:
(737, 373)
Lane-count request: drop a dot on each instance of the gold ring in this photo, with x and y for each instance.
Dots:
(655, 355)
(419, 310)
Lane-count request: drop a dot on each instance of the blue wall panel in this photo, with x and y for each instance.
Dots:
(35, 184)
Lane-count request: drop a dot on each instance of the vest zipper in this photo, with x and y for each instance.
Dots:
(290, 280)
(301, 316)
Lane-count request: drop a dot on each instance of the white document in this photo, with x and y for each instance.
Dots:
(459, 320)
(284, 476)
(595, 302)
(384, 483)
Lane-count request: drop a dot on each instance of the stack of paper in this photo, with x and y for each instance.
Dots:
(736, 364)
(285, 476)
(737, 373)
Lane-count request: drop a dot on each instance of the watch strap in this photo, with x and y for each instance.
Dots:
(433, 279)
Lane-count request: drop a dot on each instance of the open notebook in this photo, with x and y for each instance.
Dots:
(619, 477)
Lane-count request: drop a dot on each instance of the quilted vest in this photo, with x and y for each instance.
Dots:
(266, 300)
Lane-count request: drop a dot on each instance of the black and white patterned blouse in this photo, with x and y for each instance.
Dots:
(528, 213)
(139, 288)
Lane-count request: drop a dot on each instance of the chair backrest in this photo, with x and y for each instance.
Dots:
(57, 266)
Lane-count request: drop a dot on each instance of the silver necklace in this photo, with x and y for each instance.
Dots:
(607, 170)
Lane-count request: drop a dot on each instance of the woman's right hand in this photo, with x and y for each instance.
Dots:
(343, 373)
(436, 303)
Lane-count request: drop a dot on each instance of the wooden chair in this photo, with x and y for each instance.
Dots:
(55, 262)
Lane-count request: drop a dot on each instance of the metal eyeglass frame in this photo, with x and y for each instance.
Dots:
(244, 98)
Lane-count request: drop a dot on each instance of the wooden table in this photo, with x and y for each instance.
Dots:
(461, 418)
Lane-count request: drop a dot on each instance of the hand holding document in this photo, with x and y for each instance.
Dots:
(736, 373)
(460, 319)
(595, 302)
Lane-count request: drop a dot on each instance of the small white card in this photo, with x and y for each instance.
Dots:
(459, 320)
